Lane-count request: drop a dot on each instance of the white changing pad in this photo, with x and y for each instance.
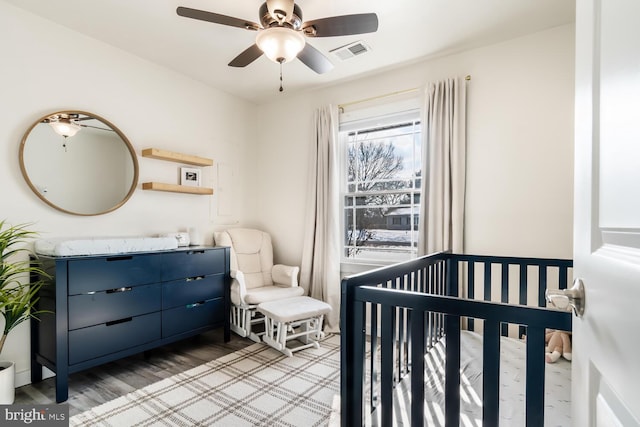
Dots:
(103, 246)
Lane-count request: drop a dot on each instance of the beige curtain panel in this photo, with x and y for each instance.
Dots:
(444, 159)
(320, 266)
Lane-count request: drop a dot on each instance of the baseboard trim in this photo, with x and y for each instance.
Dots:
(24, 377)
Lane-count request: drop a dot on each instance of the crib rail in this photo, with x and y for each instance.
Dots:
(530, 277)
(416, 304)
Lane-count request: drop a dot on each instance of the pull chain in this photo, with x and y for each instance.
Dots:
(281, 89)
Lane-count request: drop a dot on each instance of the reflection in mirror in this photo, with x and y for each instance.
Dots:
(79, 163)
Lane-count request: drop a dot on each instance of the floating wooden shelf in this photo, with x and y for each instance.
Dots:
(155, 153)
(171, 156)
(174, 188)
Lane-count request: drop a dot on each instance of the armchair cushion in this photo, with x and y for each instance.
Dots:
(254, 256)
(285, 275)
(271, 293)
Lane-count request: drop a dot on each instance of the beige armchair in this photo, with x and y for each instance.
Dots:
(255, 279)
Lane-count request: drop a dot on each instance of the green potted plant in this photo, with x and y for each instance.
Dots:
(17, 295)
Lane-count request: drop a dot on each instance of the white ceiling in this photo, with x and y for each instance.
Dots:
(409, 30)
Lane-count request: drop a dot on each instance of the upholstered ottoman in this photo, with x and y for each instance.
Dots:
(282, 316)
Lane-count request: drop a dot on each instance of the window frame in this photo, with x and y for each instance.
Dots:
(389, 115)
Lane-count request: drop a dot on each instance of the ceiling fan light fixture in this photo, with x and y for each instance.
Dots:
(65, 127)
(280, 44)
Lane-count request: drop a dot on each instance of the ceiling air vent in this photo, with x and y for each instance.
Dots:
(349, 51)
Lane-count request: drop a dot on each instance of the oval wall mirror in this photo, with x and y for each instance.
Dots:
(79, 163)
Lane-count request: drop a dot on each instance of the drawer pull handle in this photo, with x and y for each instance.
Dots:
(120, 258)
(195, 304)
(116, 322)
(117, 290)
(194, 252)
(191, 279)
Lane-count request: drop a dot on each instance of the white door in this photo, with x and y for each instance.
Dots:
(606, 363)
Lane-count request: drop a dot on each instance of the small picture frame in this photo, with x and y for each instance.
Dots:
(190, 177)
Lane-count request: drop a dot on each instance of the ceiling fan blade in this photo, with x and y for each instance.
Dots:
(216, 18)
(246, 57)
(314, 59)
(97, 127)
(344, 25)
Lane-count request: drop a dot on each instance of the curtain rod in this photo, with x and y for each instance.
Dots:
(386, 95)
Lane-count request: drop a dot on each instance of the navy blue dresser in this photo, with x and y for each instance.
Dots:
(107, 307)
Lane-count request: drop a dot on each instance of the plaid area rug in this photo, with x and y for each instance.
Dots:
(255, 386)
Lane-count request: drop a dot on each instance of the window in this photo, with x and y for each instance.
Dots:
(381, 170)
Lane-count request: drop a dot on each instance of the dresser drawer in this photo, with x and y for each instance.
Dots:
(105, 306)
(100, 274)
(187, 291)
(192, 316)
(192, 263)
(100, 340)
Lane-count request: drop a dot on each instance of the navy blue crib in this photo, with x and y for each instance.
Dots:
(392, 316)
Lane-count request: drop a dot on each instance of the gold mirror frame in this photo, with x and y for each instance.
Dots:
(124, 139)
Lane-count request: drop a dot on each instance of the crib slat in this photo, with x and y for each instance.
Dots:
(401, 332)
(534, 411)
(491, 373)
(452, 371)
(441, 288)
(563, 277)
(432, 319)
(449, 277)
(471, 291)
(386, 369)
(542, 285)
(487, 281)
(504, 294)
(374, 355)
(523, 293)
(417, 368)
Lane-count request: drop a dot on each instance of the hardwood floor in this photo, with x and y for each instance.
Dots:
(106, 382)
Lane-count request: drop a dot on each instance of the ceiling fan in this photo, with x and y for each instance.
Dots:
(282, 31)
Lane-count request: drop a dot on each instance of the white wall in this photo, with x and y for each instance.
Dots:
(47, 68)
(520, 146)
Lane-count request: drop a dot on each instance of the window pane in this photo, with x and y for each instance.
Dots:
(385, 185)
(385, 200)
(372, 230)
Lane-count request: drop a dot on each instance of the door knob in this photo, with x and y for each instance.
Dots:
(563, 298)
